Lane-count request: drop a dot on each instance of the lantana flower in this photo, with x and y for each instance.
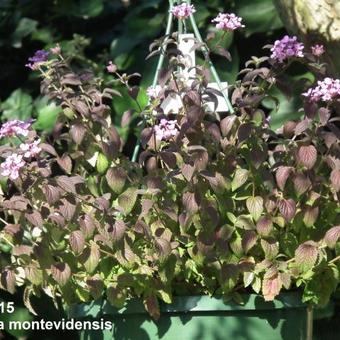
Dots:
(40, 56)
(326, 90)
(183, 11)
(56, 49)
(286, 48)
(12, 165)
(15, 127)
(228, 21)
(318, 50)
(31, 149)
(166, 129)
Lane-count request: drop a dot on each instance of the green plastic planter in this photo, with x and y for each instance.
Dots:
(200, 318)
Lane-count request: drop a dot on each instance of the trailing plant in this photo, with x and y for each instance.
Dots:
(218, 203)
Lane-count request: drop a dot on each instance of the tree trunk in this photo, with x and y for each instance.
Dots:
(315, 21)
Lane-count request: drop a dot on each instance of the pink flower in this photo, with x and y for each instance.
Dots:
(287, 47)
(56, 49)
(166, 129)
(111, 68)
(228, 21)
(326, 90)
(183, 11)
(10, 168)
(153, 92)
(14, 127)
(31, 149)
(318, 50)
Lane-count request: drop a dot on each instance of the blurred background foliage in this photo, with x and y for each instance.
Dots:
(95, 31)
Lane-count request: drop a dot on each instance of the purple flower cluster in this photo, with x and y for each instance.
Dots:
(318, 50)
(31, 149)
(287, 47)
(154, 92)
(166, 129)
(40, 56)
(15, 127)
(228, 21)
(183, 11)
(10, 168)
(326, 90)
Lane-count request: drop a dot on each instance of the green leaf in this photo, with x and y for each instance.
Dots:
(255, 206)
(47, 114)
(306, 255)
(25, 27)
(240, 177)
(90, 257)
(127, 200)
(258, 15)
(89, 8)
(17, 106)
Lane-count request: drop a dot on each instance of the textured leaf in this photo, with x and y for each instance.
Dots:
(264, 226)
(8, 280)
(78, 132)
(77, 241)
(271, 287)
(255, 206)
(27, 299)
(307, 156)
(188, 171)
(61, 272)
(248, 278)
(248, 240)
(301, 183)
(116, 178)
(127, 200)
(90, 257)
(96, 286)
(118, 230)
(287, 209)
(116, 296)
(102, 163)
(87, 225)
(65, 163)
(282, 174)
(306, 255)
(52, 193)
(332, 236)
(152, 306)
(335, 179)
(34, 274)
(190, 203)
(310, 216)
(241, 176)
(270, 248)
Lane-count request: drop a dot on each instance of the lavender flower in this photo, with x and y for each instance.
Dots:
(287, 47)
(228, 21)
(40, 56)
(10, 168)
(15, 127)
(318, 50)
(326, 90)
(166, 129)
(153, 92)
(31, 149)
(111, 68)
(183, 11)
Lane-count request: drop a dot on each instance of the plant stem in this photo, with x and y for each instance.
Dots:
(211, 65)
(159, 67)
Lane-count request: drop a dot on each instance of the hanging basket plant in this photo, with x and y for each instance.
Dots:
(213, 202)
